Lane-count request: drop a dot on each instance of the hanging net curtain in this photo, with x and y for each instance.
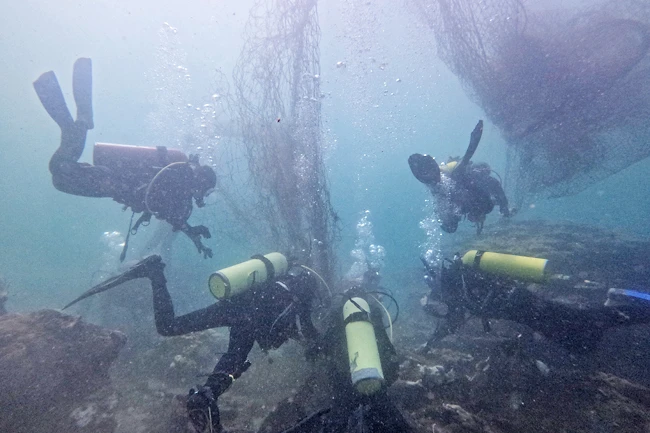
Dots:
(273, 181)
(569, 89)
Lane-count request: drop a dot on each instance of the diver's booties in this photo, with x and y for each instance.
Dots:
(202, 410)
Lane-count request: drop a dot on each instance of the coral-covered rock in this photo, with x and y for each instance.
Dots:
(502, 390)
(54, 373)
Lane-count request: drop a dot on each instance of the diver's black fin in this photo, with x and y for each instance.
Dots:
(475, 138)
(424, 168)
(82, 89)
(139, 270)
(49, 92)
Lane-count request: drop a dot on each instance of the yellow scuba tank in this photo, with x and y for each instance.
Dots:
(517, 267)
(363, 354)
(236, 279)
(448, 167)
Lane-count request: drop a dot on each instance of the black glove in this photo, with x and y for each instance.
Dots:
(202, 410)
(195, 233)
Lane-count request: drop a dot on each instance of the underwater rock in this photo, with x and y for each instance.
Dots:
(54, 374)
(436, 375)
(505, 391)
(176, 362)
(411, 395)
(470, 422)
(153, 383)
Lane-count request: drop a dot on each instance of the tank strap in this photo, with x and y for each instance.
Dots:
(270, 269)
(359, 316)
(477, 258)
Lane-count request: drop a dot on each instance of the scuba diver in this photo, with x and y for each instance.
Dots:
(462, 188)
(361, 363)
(263, 299)
(491, 285)
(156, 181)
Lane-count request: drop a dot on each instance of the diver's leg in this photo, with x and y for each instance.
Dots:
(73, 134)
(223, 313)
(202, 407)
(78, 178)
(68, 175)
(234, 362)
(73, 141)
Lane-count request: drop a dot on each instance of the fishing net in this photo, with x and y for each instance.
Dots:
(569, 89)
(272, 176)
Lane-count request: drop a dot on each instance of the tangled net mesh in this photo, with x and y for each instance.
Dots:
(569, 89)
(272, 176)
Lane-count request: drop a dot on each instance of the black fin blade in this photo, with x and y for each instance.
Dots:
(82, 89)
(474, 140)
(49, 92)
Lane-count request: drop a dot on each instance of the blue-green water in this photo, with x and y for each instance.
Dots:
(385, 95)
(392, 98)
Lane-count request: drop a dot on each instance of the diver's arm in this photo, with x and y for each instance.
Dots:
(195, 233)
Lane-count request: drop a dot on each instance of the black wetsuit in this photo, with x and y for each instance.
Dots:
(269, 315)
(481, 193)
(473, 194)
(577, 328)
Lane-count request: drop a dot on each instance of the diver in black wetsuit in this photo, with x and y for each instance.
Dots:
(350, 410)
(464, 290)
(170, 200)
(468, 189)
(269, 313)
